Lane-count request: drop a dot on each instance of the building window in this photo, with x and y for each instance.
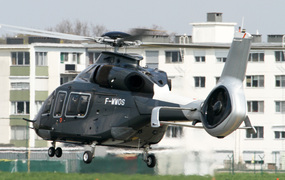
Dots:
(20, 58)
(77, 105)
(253, 157)
(255, 106)
(151, 59)
(60, 101)
(63, 57)
(259, 133)
(20, 107)
(257, 161)
(279, 134)
(200, 58)
(280, 81)
(255, 81)
(279, 56)
(221, 59)
(173, 56)
(200, 81)
(280, 106)
(221, 56)
(66, 78)
(76, 57)
(20, 85)
(93, 56)
(174, 131)
(41, 58)
(256, 57)
(18, 132)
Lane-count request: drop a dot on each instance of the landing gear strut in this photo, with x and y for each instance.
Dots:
(89, 155)
(52, 151)
(149, 159)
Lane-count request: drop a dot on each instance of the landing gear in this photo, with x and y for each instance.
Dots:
(149, 159)
(89, 155)
(58, 152)
(52, 151)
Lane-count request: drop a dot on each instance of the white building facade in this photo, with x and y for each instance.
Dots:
(195, 72)
(29, 73)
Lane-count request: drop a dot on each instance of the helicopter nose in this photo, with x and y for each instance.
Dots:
(36, 124)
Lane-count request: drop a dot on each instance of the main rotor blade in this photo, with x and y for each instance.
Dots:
(43, 33)
(138, 33)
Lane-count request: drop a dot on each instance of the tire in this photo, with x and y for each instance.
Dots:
(151, 161)
(58, 152)
(87, 157)
(51, 151)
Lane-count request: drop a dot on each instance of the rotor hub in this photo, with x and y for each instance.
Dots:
(217, 108)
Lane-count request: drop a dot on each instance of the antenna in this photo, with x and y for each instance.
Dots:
(242, 21)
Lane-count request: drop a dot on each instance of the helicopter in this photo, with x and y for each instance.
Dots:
(116, 102)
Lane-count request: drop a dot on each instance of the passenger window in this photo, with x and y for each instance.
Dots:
(77, 105)
(60, 99)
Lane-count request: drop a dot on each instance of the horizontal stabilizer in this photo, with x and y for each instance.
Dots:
(248, 126)
(155, 115)
(182, 125)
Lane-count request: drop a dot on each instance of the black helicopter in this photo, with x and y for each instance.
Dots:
(116, 102)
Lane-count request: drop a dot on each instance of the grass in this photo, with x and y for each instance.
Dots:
(97, 176)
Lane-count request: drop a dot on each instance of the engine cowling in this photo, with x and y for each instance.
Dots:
(224, 109)
(122, 78)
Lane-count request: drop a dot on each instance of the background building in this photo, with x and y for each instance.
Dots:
(29, 72)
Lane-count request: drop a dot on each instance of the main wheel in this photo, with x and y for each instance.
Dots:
(51, 151)
(151, 161)
(87, 157)
(58, 152)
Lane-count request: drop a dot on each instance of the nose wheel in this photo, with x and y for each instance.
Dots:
(52, 151)
(89, 155)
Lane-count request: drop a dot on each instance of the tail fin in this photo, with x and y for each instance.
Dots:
(237, 58)
(225, 107)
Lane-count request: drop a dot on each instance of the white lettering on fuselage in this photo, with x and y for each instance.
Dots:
(115, 101)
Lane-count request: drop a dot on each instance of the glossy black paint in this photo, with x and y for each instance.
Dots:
(117, 94)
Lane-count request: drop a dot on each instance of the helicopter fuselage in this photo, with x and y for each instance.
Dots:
(109, 103)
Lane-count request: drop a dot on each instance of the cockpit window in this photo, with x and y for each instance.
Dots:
(59, 104)
(48, 105)
(77, 105)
